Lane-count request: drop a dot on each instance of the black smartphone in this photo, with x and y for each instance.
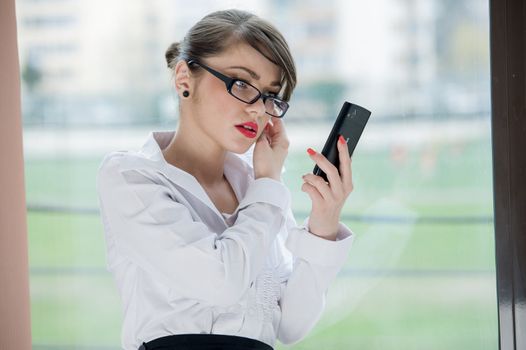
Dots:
(350, 124)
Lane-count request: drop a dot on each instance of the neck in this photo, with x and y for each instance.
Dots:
(196, 154)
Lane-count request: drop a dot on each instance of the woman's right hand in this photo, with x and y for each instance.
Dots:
(271, 150)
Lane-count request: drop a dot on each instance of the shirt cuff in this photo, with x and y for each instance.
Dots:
(269, 191)
(320, 251)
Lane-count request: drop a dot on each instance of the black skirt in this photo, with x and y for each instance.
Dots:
(204, 342)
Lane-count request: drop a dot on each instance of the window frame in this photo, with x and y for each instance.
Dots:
(508, 113)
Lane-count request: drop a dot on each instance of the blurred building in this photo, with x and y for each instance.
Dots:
(89, 61)
(102, 62)
(386, 53)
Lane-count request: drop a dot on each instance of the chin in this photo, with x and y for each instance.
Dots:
(240, 148)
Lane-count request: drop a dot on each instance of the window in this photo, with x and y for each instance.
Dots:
(421, 273)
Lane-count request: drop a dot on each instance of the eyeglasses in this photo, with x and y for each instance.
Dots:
(247, 93)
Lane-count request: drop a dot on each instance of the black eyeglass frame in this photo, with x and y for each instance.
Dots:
(229, 83)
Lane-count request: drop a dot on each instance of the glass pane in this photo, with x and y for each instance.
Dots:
(421, 273)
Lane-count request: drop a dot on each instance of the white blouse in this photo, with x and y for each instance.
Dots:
(183, 267)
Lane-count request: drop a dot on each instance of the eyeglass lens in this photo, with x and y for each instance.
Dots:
(248, 93)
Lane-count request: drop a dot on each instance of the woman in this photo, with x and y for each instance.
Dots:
(203, 246)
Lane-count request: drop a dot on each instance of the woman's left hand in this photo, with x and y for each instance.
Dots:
(328, 198)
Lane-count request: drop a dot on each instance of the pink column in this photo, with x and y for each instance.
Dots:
(15, 320)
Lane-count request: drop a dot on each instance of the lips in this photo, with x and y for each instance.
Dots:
(249, 129)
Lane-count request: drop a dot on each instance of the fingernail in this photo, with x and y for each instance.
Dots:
(342, 140)
(311, 151)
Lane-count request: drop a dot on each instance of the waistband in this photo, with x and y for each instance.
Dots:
(204, 342)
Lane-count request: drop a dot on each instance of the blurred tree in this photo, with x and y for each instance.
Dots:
(330, 92)
(31, 75)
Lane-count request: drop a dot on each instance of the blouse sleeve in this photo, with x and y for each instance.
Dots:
(159, 235)
(316, 262)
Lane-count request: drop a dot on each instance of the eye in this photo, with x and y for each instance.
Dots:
(240, 84)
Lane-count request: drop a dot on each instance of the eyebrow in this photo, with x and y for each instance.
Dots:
(254, 75)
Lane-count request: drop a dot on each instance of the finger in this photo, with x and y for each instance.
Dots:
(313, 193)
(278, 133)
(276, 126)
(329, 169)
(345, 163)
(319, 183)
(267, 133)
(263, 138)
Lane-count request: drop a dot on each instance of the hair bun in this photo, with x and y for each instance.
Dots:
(171, 54)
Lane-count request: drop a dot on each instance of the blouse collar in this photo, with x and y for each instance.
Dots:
(238, 171)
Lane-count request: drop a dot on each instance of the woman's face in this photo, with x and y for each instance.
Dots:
(217, 113)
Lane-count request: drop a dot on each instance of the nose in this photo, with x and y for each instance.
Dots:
(257, 108)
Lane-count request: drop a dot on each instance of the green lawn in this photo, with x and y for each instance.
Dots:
(407, 285)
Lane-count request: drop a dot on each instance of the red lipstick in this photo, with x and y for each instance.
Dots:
(249, 129)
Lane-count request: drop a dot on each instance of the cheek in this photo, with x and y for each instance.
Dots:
(262, 128)
(266, 122)
(216, 106)
(222, 102)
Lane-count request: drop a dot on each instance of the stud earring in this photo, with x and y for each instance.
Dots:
(186, 93)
